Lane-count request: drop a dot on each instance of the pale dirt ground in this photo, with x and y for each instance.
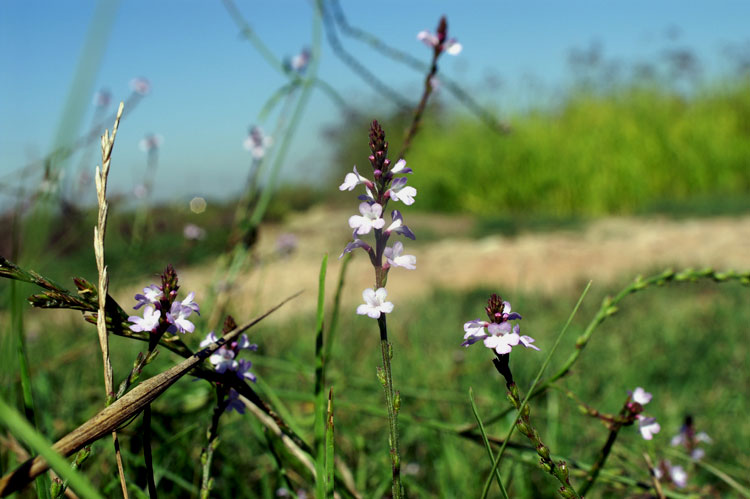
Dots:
(605, 251)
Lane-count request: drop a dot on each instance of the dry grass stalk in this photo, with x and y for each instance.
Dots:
(108, 142)
(120, 411)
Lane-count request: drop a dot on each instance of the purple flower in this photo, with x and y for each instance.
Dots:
(210, 338)
(375, 303)
(244, 344)
(675, 474)
(398, 227)
(234, 402)
(223, 359)
(641, 396)
(189, 303)
(102, 98)
(370, 218)
(192, 232)
(150, 296)
(243, 370)
(357, 243)
(148, 322)
(177, 317)
(300, 61)
(498, 335)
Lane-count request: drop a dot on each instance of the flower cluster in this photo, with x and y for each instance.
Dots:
(689, 439)
(225, 358)
(497, 334)
(675, 474)
(161, 310)
(386, 184)
(439, 40)
(646, 425)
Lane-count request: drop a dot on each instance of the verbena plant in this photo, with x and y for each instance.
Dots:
(165, 316)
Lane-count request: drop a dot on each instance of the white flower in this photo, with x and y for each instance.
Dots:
(149, 321)
(370, 218)
(352, 180)
(641, 396)
(223, 359)
(257, 142)
(210, 338)
(501, 339)
(647, 426)
(375, 303)
(451, 45)
(399, 191)
(395, 258)
(400, 167)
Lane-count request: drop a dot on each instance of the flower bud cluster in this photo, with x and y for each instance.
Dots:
(497, 334)
(386, 184)
(162, 313)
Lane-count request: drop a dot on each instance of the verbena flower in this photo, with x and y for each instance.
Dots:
(397, 226)
(370, 218)
(257, 142)
(375, 303)
(102, 98)
(150, 142)
(675, 474)
(300, 61)
(234, 402)
(498, 333)
(140, 85)
(352, 180)
(689, 439)
(399, 191)
(225, 358)
(150, 296)
(646, 425)
(148, 322)
(450, 46)
(394, 257)
(192, 232)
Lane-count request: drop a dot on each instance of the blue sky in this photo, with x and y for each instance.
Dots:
(209, 84)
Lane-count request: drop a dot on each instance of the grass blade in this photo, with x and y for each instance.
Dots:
(21, 428)
(486, 443)
(320, 381)
(330, 456)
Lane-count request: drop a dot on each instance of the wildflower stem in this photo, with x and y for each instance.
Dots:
(213, 441)
(390, 401)
(419, 111)
(601, 458)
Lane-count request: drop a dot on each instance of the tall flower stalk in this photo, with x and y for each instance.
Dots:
(388, 183)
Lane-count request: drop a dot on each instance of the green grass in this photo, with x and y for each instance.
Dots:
(685, 343)
(630, 150)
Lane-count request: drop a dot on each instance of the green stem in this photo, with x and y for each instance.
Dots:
(147, 457)
(393, 404)
(601, 458)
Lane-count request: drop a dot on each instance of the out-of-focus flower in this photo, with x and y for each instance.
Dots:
(234, 402)
(148, 322)
(689, 439)
(140, 191)
(451, 46)
(102, 98)
(300, 61)
(140, 85)
(193, 233)
(674, 474)
(257, 142)
(647, 426)
(394, 257)
(150, 142)
(375, 303)
(370, 218)
(641, 396)
(286, 244)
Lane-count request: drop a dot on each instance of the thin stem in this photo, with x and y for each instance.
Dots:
(147, 458)
(419, 111)
(213, 441)
(601, 458)
(393, 404)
